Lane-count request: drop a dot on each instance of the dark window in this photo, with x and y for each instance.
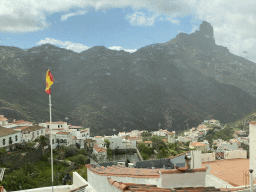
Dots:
(53, 141)
(48, 126)
(61, 141)
(58, 141)
(16, 138)
(58, 126)
(10, 140)
(3, 141)
(65, 140)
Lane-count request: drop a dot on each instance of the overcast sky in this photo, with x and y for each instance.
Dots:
(125, 24)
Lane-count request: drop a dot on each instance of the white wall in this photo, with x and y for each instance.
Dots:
(196, 159)
(196, 179)
(18, 134)
(100, 183)
(208, 157)
(235, 154)
(252, 144)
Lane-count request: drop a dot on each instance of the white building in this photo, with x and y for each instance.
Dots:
(55, 125)
(117, 142)
(3, 121)
(171, 137)
(108, 179)
(252, 144)
(100, 151)
(9, 137)
(160, 132)
(30, 133)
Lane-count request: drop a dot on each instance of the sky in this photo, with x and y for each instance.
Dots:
(125, 24)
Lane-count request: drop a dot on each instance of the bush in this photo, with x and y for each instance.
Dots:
(3, 151)
(79, 159)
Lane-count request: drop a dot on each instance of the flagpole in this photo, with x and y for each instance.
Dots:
(50, 105)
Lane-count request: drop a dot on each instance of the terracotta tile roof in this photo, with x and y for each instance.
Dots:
(99, 149)
(63, 133)
(84, 131)
(73, 137)
(18, 122)
(2, 118)
(252, 122)
(129, 187)
(58, 122)
(75, 127)
(230, 170)
(98, 136)
(122, 171)
(1, 189)
(7, 131)
(30, 128)
(197, 144)
(170, 133)
(147, 141)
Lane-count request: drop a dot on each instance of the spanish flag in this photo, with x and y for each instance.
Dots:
(49, 82)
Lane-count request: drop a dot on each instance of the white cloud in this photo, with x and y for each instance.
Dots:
(118, 48)
(174, 21)
(233, 23)
(30, 15)
(66, 16)
(233, 20)
(139, 18)
(76, 47)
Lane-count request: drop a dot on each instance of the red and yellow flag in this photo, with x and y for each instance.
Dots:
(49, 82)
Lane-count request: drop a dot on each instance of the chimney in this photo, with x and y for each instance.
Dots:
(187, 159)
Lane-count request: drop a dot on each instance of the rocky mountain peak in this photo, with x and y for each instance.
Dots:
(206, 30)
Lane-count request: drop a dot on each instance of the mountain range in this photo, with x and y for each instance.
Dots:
(172, 85)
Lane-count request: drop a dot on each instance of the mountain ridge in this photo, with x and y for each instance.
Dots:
(107, 89)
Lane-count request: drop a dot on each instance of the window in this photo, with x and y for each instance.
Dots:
(58, 126)
(65, 140)
(10, 140)
(16, 138)
(3, 141)
(61, 141)
(42, 132)
(37, 132)
(53, 141)
(58, 141)
(48, 126)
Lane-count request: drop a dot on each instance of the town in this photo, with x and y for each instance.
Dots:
(153, 154)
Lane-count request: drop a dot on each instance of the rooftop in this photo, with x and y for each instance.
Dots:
(231, 171)
(7, 131)
(122, 171)
(197, 144)
(99, 149)
(58, 122)
(17, 122)
(30, 128)
(2, 118)
(63, 133)
(129, 187)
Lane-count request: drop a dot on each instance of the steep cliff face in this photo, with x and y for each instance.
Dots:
(176, 83)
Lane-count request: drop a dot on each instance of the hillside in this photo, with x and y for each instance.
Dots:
(178, 84)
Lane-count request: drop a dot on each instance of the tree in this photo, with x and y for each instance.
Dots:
(157, 142)
(145, 151)
(107, 142)
(146, 134)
